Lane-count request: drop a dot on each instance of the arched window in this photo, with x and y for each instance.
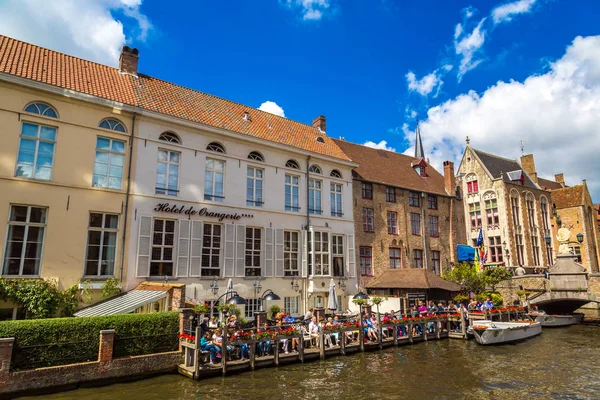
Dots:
(320, 139)
(545, 213)
(516, 214)
(472, 184)
(216, 147)
(315, 169)
(42, 109)
(169, 137)
(112, 124)
(336, 174)
(292, 164)
(256, 156)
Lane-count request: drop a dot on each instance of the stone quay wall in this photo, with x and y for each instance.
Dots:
(71, 376)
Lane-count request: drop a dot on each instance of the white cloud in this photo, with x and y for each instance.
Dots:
(86, 29)
(381, 145)
(468, 47)
(505, 12)
(272, 107)
(557, 114)
(426, 84)
(311, 10)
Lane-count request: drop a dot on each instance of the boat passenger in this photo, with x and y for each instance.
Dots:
(488, 304)
(264, 348)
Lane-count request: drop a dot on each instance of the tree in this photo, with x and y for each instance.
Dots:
(467, 276)
(495, 275)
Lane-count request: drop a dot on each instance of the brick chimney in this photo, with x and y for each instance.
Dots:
(560, 178)
(319, 123)
(529, 166)
(128, 61)
(449, 181)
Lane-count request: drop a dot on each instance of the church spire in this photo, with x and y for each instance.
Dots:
(419, 153)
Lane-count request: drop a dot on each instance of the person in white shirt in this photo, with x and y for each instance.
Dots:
(313, 329)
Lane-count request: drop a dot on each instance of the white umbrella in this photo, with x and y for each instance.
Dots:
(332, 302)
(229, 290)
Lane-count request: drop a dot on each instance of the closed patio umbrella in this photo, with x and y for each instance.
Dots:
(229, 290)
(332, 302)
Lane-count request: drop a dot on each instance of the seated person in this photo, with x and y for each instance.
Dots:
(206, 344)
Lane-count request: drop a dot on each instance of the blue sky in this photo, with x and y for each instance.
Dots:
(368, 65)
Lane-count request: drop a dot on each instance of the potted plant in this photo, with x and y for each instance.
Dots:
(274, 310)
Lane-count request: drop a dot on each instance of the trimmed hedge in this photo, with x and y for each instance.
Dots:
(58, 341)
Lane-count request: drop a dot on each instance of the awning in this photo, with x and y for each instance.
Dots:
(123, 304)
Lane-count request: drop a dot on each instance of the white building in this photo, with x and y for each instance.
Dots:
(209, 204)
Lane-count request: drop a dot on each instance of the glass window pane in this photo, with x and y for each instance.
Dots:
(118, 146)
(111, 221)
(30, 266)
(44, 161)
(27, 145)
(103, 143)
(91, 267)
(29, 129)
(101, 157)
(48, 133)
(37, 215)
(25, 157)
(114, 183)
(44, 173)
(162, 155)
(116, 160)
(174, 157)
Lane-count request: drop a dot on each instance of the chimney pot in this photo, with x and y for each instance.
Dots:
(560, 178)
(320, 123)
(528, 165)
(128, 61)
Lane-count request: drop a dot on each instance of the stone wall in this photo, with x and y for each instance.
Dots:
(508, 289)
(106, 368)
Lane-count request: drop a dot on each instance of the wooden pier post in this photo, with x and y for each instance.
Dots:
(436, 329)
(410, 332)
(321, 344)
(361, 337)
(463, 328)
(395, 334)
(252, 353)
(224, 352)
(197, 352)
(424, 331)
(301, 348)
(342, 340)
(277, 343)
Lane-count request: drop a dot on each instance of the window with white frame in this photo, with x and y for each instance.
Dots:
(576, 251)
(290, 253)
(314, 196)
(292, 305)
(24, 240)
(213, 180)
(167, 174)
(472, 184)
(36, 151)
(318, 249)
(254, 187)
(337, 249)
(253, 250)
(475, 214)
(491, 210)
(108, 165)
(252, 306)
(292, 188)
(163, 247)
(211, 250)
(495, 249)
(545, 219)
(112, 125)
(336, 200)
(529, 203)
(101, 249)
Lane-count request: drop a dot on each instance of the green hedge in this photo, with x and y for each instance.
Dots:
(58, 341)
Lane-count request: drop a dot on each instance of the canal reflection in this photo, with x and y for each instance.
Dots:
(561, 363)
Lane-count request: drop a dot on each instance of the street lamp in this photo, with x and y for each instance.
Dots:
(342, 283)
(360, 296)
(268, 295)
(295, 285)
(236, 299)
(548, 240)
(580, 237)
(214, 286)
(257, 287)
(507, 253)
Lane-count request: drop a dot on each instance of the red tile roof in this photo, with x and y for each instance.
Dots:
(28, 61)
(391, 168)
(547, 184)
(569, 197)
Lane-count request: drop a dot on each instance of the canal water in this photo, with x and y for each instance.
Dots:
(562, 363)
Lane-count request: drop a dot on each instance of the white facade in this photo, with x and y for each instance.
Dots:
(207, 233)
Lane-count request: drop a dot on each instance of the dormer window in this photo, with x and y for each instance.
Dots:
(420, 170)
(419, 167)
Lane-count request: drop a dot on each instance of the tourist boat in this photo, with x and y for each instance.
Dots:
(493, 332)
(551, 320)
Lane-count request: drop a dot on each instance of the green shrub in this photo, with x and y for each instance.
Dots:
(58, 341)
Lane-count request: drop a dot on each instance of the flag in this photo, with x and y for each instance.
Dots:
(479, 238)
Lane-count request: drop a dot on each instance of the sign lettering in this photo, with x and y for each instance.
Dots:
(203, 212)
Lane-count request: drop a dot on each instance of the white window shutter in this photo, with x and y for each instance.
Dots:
(196, 249)
(351, 256)
(240, 251)
(183, 248)
(304, 255)
(144, 247)
(278, 252)
(268, 252)
(229, 268)
(312, 253)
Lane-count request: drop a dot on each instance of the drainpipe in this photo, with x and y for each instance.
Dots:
(305, 281)
(127, 192)
(426, 258)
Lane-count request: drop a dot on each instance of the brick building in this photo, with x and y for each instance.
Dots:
(513, 210)
(406, 213)
(574, 207)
